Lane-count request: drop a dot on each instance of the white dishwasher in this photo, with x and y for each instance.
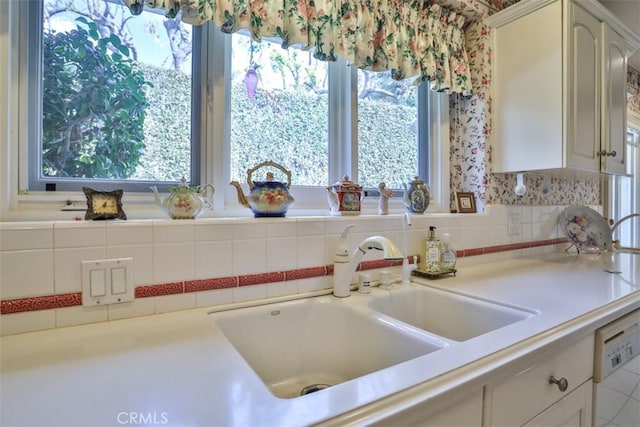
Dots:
(617, 373)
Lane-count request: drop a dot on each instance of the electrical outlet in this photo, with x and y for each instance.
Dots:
(107, 281)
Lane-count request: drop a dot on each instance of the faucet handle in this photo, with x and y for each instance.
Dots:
(407, 269)
(342, 251)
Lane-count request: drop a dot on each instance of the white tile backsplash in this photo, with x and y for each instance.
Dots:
(249, 256)
(78, 234)
(281, 254)
(28, 236)
(310, 227)
(337, 224)
(68, 267)
(142, 261)
(311, 251)
(44, 258)
(243, 230)
(168, 303)
(130, 233)
(173, 231)
(26, 273)
(138, 307)
(282, 289)
(315, 284)
(249, 293)
(215, 297)
(282, 228)
(173, 262)
(30, 321)
(71, 316)
(209, 230)
(213, 259)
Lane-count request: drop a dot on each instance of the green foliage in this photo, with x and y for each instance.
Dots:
(387, 148)
(106, 117)
(288, 127)
(167, 126)
(94, 105)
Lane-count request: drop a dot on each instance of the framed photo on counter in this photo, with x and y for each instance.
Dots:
(466, 202)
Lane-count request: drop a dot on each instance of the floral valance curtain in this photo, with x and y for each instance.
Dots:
(412, 38)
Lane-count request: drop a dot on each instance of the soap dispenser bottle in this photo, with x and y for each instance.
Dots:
(431, 260)
(448, 254)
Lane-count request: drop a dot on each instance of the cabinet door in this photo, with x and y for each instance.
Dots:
(521, 397)
(466, 413)
(573, 410)
(527, 91)
(614, 95)
(584, 65)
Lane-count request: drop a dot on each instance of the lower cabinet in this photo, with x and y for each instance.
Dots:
(549, 389)
(460, 413)
(572, 410)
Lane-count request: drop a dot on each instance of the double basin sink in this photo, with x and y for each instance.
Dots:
(302, 346)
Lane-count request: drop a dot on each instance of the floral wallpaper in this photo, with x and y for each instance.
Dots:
(470, 120)
(633, 88)
(471, 129)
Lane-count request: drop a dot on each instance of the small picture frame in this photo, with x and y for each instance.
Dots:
(466, 202)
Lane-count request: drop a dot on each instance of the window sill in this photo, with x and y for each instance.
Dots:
(40, 206)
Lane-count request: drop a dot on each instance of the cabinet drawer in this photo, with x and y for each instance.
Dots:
(522, 396)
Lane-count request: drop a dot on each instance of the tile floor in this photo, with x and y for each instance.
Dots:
(618, 397)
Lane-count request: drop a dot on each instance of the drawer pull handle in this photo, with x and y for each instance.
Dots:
(562, 383)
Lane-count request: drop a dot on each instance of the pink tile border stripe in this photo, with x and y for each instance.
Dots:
(48, 302)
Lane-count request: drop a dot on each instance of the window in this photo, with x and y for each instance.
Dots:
(388, 130)
(289, 118)
(121, 101)
(114, 96)
(625, 191)
(286, 119)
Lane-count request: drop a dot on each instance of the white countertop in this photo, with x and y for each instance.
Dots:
(177, 368)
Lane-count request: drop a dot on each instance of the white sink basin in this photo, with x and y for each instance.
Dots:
(318, 341)
(447, 314)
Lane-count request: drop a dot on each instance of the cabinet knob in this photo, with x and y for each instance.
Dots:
(602, 153)
(612, 153)
(562, 383)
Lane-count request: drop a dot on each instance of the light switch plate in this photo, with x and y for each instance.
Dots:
(107, 281)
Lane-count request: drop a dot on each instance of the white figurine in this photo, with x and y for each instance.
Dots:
(383, 200)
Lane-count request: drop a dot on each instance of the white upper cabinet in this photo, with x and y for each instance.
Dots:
(559, 87)
(614, 98)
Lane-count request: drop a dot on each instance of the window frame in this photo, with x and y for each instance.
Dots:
(613, 190)
(209, 162)
(31, 161)
(433, 160)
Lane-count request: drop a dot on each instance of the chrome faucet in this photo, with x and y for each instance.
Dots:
(344, 265)
(616, 242)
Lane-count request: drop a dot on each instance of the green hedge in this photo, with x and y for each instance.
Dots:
(265, 129)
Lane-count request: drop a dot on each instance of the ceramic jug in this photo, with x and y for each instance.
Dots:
(416, 196)
(344, 197)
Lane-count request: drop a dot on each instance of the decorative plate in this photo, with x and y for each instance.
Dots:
(585, 228)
